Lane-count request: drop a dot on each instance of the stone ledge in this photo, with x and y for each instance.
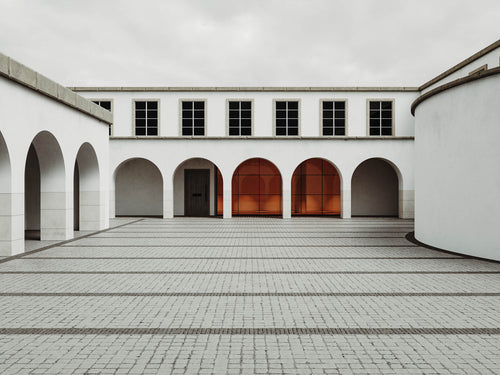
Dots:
(15, 71)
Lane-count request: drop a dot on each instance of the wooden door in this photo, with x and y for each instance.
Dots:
(197, 192)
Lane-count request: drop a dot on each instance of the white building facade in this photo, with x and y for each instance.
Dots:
(91, 153)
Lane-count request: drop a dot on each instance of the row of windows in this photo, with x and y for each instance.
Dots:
(240, 114)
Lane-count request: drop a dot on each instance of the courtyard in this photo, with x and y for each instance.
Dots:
(248, 296)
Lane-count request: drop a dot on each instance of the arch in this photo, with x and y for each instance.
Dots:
(316, 188)
(138, 188)
(5, 200)
(257, 188)
(198, 188)
(375, 188)
(45, 191)
(86, 189)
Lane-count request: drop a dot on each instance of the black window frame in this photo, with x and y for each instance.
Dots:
(239, 119)
(333, 117)
(380, 124)
(190, 120)
(146, 124)
(285, 123)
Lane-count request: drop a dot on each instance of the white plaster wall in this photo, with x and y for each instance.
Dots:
(457, 205)
(286, 154)
(24, 113)
(263, 110)
(374, 189)
(179, 183)
(138, 189)
(492, 59)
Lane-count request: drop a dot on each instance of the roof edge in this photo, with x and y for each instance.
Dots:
(455, 83)
(240, 89)
(460, 65)
(21, 74)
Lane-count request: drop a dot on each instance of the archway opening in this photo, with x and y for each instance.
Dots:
(198, 188)
(316, 189)
(257, 189)
(375, 189)
(86, 190)
(45, 208)
(138, 189)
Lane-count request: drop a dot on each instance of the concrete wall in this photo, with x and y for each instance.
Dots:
(179, 183)
(374, 189)
(138, 189)
(286, 154)
(457, 158)
(263, 110)
(57, 127)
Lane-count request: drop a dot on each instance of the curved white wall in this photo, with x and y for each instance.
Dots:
(457, 169)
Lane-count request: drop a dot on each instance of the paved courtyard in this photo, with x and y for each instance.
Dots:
(249, 296)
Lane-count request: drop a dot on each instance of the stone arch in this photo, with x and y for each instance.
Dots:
(6, 222)
(198, 188)
(257, 188)
(316, 188)
(138, 188)
(375, 187)
(46, 205)
(86, 189)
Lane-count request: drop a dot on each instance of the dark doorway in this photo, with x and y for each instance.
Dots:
(196, 192)
(76, 198)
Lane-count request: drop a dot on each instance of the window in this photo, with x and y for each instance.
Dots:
(287, 117)
(106, 104)
(380, 122)
(146, 117)
(333, 114)
(193, 117)
(240, 117)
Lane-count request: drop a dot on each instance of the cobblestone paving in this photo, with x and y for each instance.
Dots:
(249, 296)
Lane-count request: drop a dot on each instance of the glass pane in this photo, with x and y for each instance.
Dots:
(293, 105)
(247, 123)
(327, 123)
(234, 114)
(280, 131)
(339, 113)
(386, 131)
(140, 122)
(327, 105)
(246, 105)
(246, 131)
(140, 131)
(293, 131)
(293, 114)
(199, 123)
(387, 123)
(199, 131)
(327, 131)
(152, 122)
(106, 105)
(374, 105)
(187, 114)
(140, 105)
(152, 131)
(152, 105)
(187, 123)
(327, 114)
(340, 105)
(386, 105)
(187, 131)
(140, 114)
(199, 105)
(280, 114)
(187, 105)
(234, 131)
(386, 114)
(281, 105)
(234, 105)
(339, 131)
(153, 114)
(374, 131)
(374, 114)
(246, 114)
(199, 114)
(339, 123)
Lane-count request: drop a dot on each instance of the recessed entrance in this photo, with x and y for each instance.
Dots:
(196, 192)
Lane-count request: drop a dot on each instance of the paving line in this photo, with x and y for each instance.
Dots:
(244, 272)
(250, 331)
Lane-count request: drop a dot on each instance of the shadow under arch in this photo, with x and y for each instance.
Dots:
(198, 188)
(44, 190)
(375, 186)
(316, 188)
(257, 189)
(86, 189)
(138, 188)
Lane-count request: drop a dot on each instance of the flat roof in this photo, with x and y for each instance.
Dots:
(241, 89)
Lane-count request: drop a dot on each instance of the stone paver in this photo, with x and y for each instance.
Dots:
(249, 296)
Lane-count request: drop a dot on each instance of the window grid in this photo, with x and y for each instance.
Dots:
(146, 118)
(240, 118)
(106, 104)
(193, 118)
(334, 117)
(380, 122)
(287, 118)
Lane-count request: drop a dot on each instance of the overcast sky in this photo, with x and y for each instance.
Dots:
(245, 43)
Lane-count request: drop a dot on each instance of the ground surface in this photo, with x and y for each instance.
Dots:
(249, 295)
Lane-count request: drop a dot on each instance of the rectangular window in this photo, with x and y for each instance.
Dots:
(380, 117)
(146, 117)
(333, 117)
(286, 117)
(193, 117)
(240, 117)
(106, 104)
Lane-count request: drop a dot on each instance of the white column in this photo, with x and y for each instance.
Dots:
(406, 204)
(56, 219)
(11, 224)
(345, 204)
(227, 198)
(168, 196)
(287, 198)
(90, 208)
